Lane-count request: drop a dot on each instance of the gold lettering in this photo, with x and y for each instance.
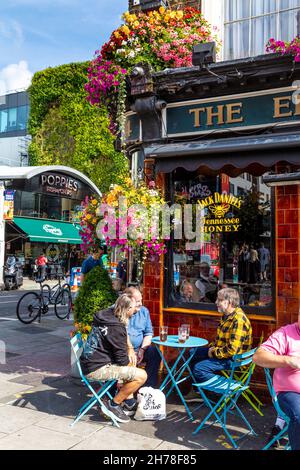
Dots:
(197, 116)
(233, 111)
(279, 104)
(218, 114)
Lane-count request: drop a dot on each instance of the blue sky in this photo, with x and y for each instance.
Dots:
(35, 34)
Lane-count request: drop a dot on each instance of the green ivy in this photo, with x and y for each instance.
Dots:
(67, 130)
(95, 294)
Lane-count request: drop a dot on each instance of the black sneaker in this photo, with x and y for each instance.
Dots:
(276, 444)
(117, 411)
(129, 410)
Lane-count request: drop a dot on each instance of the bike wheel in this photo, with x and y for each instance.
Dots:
(29, 307)
(46, 294)
(63, 304)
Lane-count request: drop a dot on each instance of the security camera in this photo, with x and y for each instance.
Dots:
(160, 104)
(138, 72)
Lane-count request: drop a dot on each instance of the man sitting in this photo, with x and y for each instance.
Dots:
(105, 356)
(140, 334)
(234, 336)
(206, 284)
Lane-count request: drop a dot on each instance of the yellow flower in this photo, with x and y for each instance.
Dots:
(173, 14)
(94, 220)
(179, 14)
(125, 29)
(161, 10)
(136, 24)
(88, 216)
(117, 34)
(94, 202)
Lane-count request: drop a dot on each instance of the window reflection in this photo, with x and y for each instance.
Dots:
(235, 246)
(14, 119)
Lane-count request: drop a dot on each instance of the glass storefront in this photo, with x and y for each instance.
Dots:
(44, 206)
(232, 218)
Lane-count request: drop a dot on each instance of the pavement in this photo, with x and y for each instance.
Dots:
(39, 400)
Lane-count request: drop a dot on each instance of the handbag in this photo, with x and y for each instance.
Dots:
(151, 404)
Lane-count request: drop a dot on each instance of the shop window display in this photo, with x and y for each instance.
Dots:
(234, 248)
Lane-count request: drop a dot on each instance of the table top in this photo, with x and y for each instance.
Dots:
(172, 341)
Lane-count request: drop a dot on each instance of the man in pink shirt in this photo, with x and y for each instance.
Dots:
(282, 353)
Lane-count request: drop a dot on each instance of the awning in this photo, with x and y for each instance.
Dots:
(233, 156)
(50, 231)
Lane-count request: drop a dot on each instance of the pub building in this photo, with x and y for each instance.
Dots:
(224, 137)
(46, 215)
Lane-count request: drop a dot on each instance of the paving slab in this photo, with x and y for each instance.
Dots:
(117, 439)
(13, 419)
(63, 425)
(9, 389)
(170, 446)
(37, 438)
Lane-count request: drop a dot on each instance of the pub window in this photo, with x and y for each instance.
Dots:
(234, 247)
(250, 24)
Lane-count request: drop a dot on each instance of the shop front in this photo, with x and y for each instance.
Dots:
(212, 140)
(47, 207)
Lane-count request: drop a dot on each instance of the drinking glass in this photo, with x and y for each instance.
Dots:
(188, 329)
(181, 335)
(163, 333)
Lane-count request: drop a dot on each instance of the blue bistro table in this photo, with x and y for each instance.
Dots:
(175, 373)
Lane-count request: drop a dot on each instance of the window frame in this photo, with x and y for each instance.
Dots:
(169, 302)
(277, 11)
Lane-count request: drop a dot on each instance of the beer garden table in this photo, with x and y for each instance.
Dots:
(176, 371)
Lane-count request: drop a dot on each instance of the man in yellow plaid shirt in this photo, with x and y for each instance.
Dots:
(234, 336)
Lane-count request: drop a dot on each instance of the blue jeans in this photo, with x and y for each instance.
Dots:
(204, 368)
(289, 402)
(152, 360)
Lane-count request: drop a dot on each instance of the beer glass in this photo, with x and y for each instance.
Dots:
(163, 333)
(187, 328)
(181, 335)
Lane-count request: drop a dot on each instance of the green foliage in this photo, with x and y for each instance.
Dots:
(96, 293)
(67, 130)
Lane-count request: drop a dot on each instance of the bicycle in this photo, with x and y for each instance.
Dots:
(33, 305)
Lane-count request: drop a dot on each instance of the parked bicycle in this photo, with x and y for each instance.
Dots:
(33, 305)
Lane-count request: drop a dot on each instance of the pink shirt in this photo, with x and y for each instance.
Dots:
(285, 342)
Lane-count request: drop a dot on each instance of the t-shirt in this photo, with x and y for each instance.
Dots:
(285, 342)
(139, 326)
(89, 264)
(41, 260)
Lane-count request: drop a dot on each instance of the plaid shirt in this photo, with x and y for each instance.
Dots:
(234, 335)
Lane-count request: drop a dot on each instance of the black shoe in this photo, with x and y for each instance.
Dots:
(129, 410)
(276, 444)
(117, 411)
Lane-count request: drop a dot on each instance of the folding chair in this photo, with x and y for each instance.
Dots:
(242, 376)
(284, 432)
(77, 346)
(230, 390)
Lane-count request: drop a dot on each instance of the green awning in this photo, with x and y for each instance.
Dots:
(49, 230)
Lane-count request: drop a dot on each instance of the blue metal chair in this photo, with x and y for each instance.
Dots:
(284, 432)
(230, 389)
(77, 347)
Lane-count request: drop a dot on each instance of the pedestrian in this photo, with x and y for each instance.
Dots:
(281, 352)
(105, 356)
(93, 260)
(41, 262)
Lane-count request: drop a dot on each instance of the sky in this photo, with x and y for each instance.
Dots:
(36, 34)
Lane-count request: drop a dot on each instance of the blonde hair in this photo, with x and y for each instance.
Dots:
(231, 295)
(123, 304)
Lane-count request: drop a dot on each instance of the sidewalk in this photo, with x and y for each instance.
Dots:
(39, 399)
